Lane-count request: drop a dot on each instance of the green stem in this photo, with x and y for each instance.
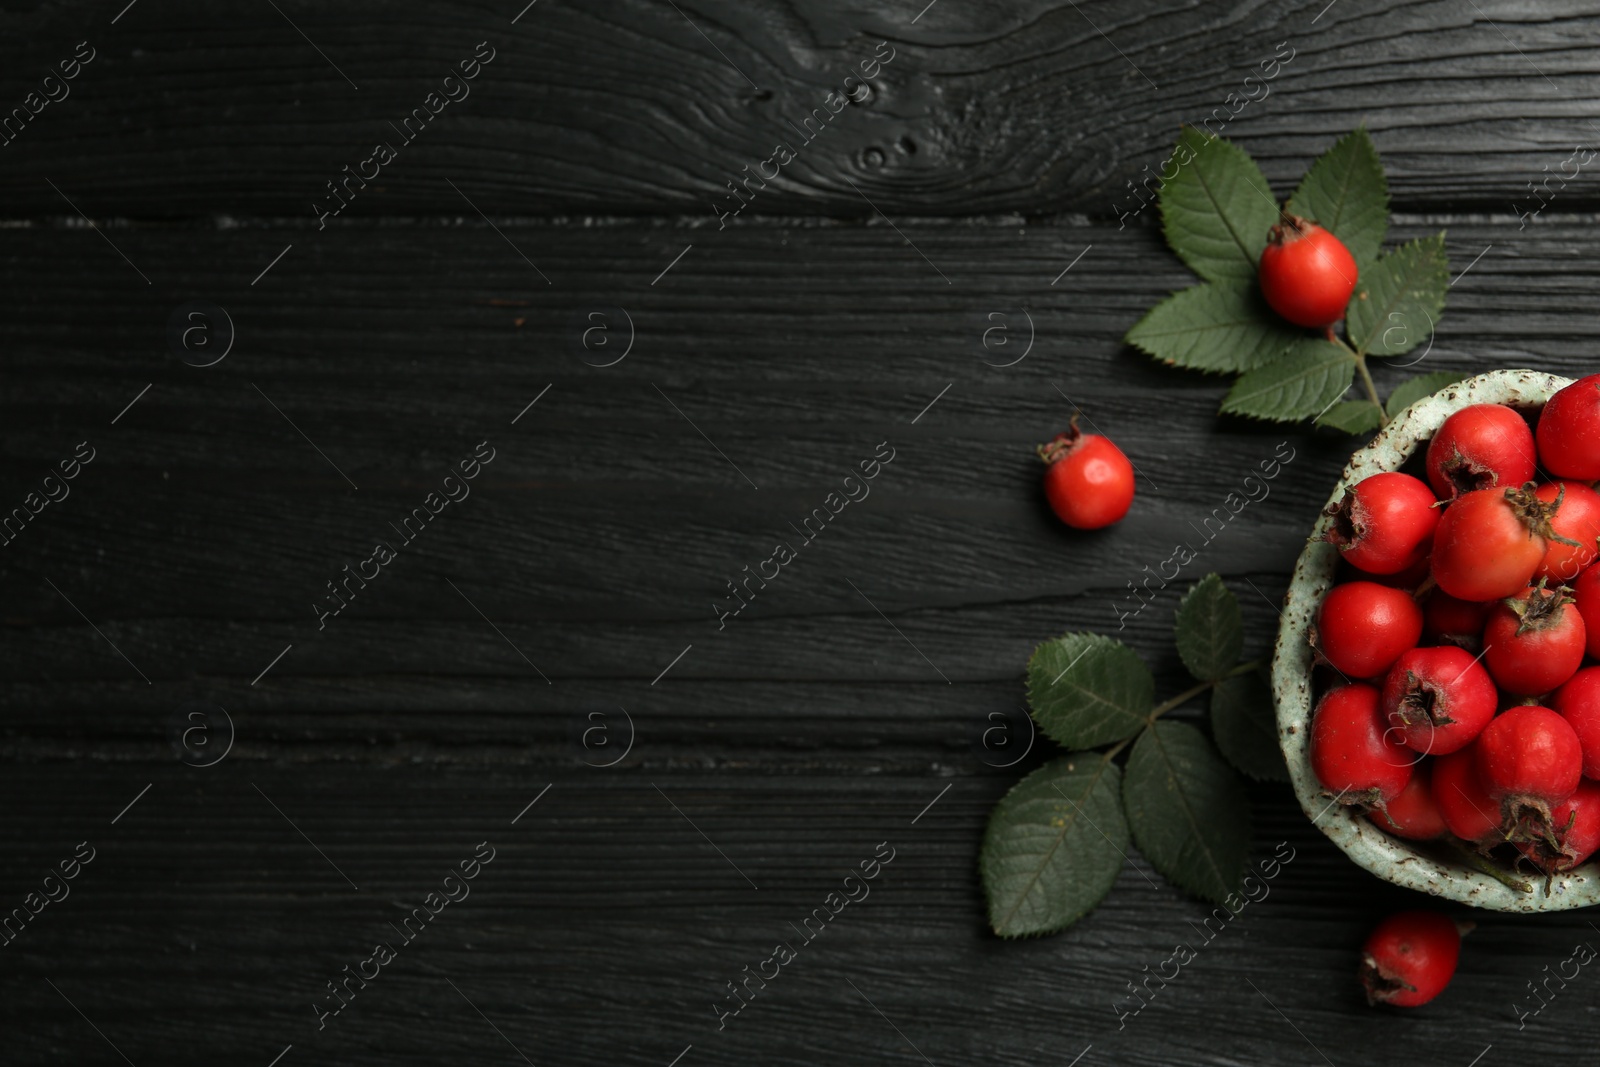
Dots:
(1361, 366)
(1479, 863)
(1178, 701)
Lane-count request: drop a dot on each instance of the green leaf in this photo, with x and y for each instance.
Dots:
(1187, 810)
(1346, 192)
(1210, 630)
(1305, 382)
(1086, 690)
(1246, 729)
(1054, 846)
(1214, 328)
(1399, 298)
(1352, 416)
(1216, 210)
(1412, 390)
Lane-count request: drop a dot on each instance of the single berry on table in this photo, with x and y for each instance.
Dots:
(1087, 479)
(1409, 958)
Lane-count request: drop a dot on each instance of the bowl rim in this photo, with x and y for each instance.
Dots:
(1394, 859)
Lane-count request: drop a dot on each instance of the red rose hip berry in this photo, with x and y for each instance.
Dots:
(1464, 801)
(1088, 481)
(1576, 832)
(1578, 702)
(1383, 523)
(1363, 627)
(1569, 431)
(1307, 274)
(1576, 523)
(1409, 958)
(1530, 761)
(1438, 699)
(1586, 590)
(1450, 621)
(1533, 643)
(1414, 814)
(1480, 447)
(1489, 542)
(1353, 752)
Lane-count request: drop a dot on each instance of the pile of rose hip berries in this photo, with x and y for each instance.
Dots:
(1456, 641)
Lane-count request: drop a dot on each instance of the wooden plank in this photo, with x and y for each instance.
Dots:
(606, 927)
(633, 107)
(602, 538)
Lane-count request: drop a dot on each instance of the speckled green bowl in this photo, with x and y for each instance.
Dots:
(1427, 868)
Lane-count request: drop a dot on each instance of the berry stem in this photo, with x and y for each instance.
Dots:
(1178, 701)
(1477, 862)
(1366, 375)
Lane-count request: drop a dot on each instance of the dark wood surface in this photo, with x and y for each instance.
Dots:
(768, 360)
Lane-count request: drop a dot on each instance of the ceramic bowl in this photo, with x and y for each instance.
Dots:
(1426, 867)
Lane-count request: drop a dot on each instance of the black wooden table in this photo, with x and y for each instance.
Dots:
(543, 283)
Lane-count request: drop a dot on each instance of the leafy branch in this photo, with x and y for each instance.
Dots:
(1056, 842)
(1216, 211)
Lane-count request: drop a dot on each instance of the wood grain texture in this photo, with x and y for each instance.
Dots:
(974, 198)
(633, 107)
(807, 731)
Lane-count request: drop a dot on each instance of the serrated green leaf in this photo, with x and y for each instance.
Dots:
(1412, 390)
(1399, 299)
(1303, 383)
(1245, 727)
(1216, 210)
(1221, 327)
(1352, 416)
(1086, 690)
(1187, 810)
(1054, 846)
(1210, 629)
(1345, 191)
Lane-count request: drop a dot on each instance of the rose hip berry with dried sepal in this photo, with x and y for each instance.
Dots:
(1414, 814)
(1569, 431)
(1450, 621)
(1586, 591)
(1409, 958)
(1464, 801)
(1353, 752)
(1489, 543)
(1383, 523)
(1438, 699)
(1578, 702)
(1530, 761)
(1363, 627)
(1088, 481)
(1577, 520)
(1576, 823)
(1480, 447)
(1534, 642)
(1307, 274)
